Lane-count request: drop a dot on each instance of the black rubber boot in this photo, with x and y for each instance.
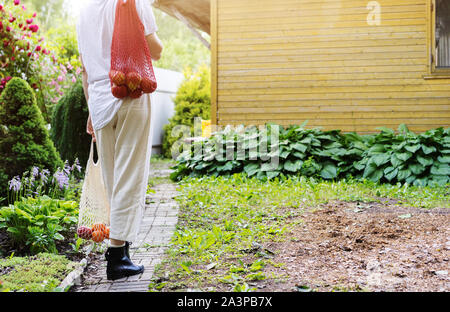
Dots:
(119, 265)
(127, 249)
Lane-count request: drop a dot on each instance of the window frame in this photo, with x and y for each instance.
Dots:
(433, 71)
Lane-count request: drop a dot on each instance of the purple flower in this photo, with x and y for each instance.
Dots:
(61, 178)
(15, 184)
(44, 173)
(35, 172)
(76, 165)
(67, 168)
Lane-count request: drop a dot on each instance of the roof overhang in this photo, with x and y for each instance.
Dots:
(194, 12)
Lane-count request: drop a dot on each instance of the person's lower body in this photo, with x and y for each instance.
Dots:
(124, 149)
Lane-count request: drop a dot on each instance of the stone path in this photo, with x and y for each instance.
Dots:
(158, 224)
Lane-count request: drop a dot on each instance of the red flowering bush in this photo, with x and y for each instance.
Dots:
(24, 54)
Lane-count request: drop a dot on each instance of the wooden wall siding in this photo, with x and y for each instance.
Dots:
(289, 61)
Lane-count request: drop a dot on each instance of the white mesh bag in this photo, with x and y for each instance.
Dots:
(94, 210)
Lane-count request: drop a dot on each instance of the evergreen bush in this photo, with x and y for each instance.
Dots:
(24, 138)
(68, 130)
(193, 100)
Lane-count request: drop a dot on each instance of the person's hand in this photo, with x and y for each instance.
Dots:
(90, 128)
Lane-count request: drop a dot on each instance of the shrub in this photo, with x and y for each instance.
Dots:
(193, 100)
(24, 54)
(68, 129)
(25, 141)
(36, 224)
(419, 159)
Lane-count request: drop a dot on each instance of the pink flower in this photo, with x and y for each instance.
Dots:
(8, 78)
(16, 2)
(8, 28)
(34, 28)
(78, 71)
(1, 7)
(38, 48)
(12, 19)
(60, 78)
(29, 21)
(34, 15)
(74, 79)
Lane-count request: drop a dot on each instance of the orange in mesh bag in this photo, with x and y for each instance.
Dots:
(131, 63)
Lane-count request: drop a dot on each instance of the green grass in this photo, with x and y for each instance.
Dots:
(224, 223)
(161, 160)
(40, 273)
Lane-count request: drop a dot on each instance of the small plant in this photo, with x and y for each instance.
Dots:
(36, 224)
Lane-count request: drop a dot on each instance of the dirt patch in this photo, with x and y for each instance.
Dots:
(366, 246)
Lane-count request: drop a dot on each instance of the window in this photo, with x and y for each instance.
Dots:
(441, 36)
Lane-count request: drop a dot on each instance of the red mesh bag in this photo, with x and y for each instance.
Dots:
(131, 63)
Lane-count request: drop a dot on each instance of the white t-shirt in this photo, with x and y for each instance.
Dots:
(95, 29)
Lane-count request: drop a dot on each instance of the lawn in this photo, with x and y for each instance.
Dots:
(242, 234)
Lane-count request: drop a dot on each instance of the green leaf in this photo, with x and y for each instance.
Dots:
(410, 179)
(268, 167)
(390, 173)
(403, 174)
(293, 166)
(395, 161)
(425, 161)
(299, 155)
(329, 171)
(420, 182)
(299, 147)
(358, 165)
(439, 179)
(440, 169)
(251, 169)
(413, 148)
(272, 174)
(381, 159)
(377, 148)
(444, 159)
(58, 236)
(416, 168)
(428, 150)
(403, 129)
(404, 156)
(284, 154)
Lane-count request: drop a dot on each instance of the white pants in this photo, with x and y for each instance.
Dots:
(124, 148)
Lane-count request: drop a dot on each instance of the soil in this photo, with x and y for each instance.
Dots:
(378, 247)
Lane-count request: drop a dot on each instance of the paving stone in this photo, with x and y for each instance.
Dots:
(157, 227)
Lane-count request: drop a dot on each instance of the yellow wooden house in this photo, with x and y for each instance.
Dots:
(353, 65)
